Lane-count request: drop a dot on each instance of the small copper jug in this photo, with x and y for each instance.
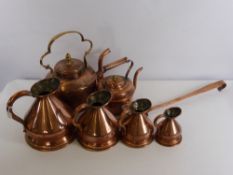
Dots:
(121, 87)
(168, 132)
(48, 124)
(97, 128)
(135, 126)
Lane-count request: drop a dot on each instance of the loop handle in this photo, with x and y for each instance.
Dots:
(11, 102)
(158, 119)
(58, 36)
(77, 110)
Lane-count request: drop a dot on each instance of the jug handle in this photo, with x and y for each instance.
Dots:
(77, 110)
(129, 69)
(11, 102)
(123, 116)
(156, 120)
(58, 36)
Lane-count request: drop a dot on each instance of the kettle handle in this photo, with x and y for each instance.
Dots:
(11, 102)
(77, 110)
(156, 120)
(58, 36)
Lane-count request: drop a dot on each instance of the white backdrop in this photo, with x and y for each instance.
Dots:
(171, 39)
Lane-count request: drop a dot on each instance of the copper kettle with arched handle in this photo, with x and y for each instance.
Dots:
(77, 78)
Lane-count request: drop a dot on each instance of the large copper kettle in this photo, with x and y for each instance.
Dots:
(121, 87)
(135, 127)
(97, 128)
(76, 77)
(48, 124)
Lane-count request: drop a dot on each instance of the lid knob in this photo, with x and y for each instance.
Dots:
(68, 58)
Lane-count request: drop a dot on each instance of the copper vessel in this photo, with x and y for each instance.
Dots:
(121, 87)
(135, 126)
(168, 131)
(48, 124)
(97, 128)
(76, 77)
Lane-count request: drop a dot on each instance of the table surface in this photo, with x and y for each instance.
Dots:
(207, 146)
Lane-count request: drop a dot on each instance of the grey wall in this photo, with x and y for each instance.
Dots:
(172, 39)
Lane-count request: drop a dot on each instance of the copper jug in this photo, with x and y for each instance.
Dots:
(97, 128)
(135, 127)
(168, 131)
(121, 87)
(48, 123)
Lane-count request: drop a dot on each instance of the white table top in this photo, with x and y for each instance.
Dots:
(207, 146)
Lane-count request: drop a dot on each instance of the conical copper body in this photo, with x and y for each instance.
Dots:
(136, 128)
(48, 124)
(168, 131)
(96, 126)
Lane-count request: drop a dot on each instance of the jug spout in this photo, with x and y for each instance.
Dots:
(135, 78)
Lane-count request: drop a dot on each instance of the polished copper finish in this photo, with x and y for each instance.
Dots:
(121, 87)
(219, 85)
(97, 128)
(135, 126)
(168, 131)
(48, 124)
(76, 77)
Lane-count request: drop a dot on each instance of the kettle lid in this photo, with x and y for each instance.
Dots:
(69, 68)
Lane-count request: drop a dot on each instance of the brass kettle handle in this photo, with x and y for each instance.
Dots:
(58, 36)
(11, 102)
(102, 69)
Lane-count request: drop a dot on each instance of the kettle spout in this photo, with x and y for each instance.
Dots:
(135, 78)
(101, 58)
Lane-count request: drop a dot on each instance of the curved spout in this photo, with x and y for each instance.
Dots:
(135, 78)
(101, 58)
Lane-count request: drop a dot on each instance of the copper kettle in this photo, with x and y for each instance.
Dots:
(97, 128)
(48, 124)
(121, 87)
(76, 77)
(168, 132)
(135, 127)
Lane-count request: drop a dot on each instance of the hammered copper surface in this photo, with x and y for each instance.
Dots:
(135, 126)
(48, 124)
(97, 128)
(168, 131)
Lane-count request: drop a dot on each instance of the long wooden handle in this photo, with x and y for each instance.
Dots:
(220, 85)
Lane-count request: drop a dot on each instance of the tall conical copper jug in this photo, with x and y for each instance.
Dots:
(135, 127)
(48, 123)
(97, 128)
(168, 131)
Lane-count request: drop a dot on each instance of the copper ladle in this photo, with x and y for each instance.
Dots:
(220, 85)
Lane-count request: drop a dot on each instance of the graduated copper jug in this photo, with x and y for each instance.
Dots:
(97, 128)
(168, 131)
(48, 123)
(135, 127)
(121, 87)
